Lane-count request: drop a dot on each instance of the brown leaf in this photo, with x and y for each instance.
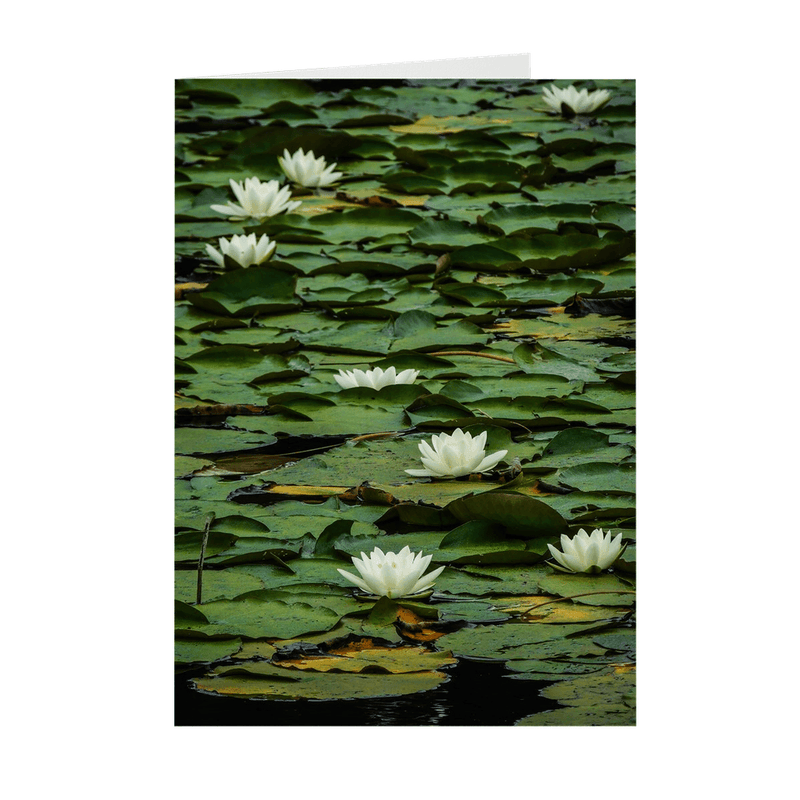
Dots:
(415, 627)
(373, 200)
(246, 464)
(212, 409)
(182, 289)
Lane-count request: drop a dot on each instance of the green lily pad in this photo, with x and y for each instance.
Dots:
(209, 440)
(522, 516)
(258, 619)
(199, 651)
(600, 477)
(249, 291)
(605, 698)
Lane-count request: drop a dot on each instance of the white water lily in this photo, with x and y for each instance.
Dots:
(585, 553)
(258, 199)
(244, 250)
(581, 102)
(374, 378)
(392, 574)
(455, 455)
(305, 170)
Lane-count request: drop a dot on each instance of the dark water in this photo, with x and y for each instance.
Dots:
(477, 693)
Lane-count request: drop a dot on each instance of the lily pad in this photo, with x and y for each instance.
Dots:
(522, 516)
(258, 619)
(257, 679)
(364, 655)
(605, 698)
(199, 651)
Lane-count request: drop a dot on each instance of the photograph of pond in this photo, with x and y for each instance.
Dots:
(405, 402)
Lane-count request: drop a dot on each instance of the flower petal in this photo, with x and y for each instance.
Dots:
(426, 581)
(215, 255)
(491, 461)
(427, 451)
(437, 468)
(560, 557)
(360, 582)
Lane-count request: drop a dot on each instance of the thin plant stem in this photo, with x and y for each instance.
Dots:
(560, 599)
(470, 353)
(206, 531)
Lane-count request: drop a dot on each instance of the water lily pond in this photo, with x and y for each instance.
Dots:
(405, 402)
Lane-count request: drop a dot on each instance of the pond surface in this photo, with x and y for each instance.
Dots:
(480, 242)
(476, 693)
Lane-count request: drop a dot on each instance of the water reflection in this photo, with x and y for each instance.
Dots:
(475, 693)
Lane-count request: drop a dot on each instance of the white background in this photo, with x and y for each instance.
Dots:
(88, 338)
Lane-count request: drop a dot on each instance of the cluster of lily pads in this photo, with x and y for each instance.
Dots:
(449, 455)
(452, 456)
(316, 355)
(261, 199)
(457, 454)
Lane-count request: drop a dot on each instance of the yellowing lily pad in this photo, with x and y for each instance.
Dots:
(266, 681)
(439, 125)
(541, 608)
(604, 589)
(364, 654)
(557, 325)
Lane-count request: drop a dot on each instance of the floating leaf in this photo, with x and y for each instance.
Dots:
(601, 699)
(522, 516)
(267, 618)
(364, 655)
(257, 679)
